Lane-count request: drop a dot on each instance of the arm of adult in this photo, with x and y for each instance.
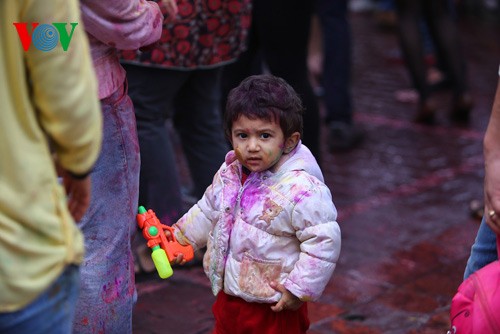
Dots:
(491, 146)
(125, 25)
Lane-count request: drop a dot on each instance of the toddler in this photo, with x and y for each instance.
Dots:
(267, 219)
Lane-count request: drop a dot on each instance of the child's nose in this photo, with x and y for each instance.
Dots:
(253, 144)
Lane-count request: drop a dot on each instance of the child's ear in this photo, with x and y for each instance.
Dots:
(291, 142)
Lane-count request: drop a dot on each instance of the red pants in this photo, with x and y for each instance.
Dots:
(233, 315)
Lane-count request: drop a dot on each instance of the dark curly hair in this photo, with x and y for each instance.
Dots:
(265, 97)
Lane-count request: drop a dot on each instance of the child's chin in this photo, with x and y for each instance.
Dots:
(254, 169)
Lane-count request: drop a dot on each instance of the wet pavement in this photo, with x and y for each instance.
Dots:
(403, 200)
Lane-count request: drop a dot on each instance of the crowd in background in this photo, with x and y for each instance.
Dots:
(162, 72)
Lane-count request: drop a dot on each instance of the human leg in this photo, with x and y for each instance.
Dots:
(483, 251)
(283, 31)
(58, 301)
(385, 15)
(337, 74)
(107, 272)
(410, 14)
(152, 91)
(248, 63)
(199, 124)
(444, 33)
(337, 59)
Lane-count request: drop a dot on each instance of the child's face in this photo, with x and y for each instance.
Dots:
(258, 143)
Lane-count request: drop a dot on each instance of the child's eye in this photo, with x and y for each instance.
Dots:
(241, 135)
(265, 135)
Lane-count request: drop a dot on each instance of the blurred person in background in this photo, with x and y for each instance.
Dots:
(444, 33)
(333, 16)
(108, 285)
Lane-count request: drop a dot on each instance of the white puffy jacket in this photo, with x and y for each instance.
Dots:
(278, 226)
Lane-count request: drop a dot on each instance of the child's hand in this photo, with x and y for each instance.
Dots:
(288, 300)
(180, 258)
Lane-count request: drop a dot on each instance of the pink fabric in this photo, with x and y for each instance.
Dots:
(475, 307)
(118, 25)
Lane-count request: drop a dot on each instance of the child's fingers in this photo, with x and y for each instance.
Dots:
(278, 287)
(287, 301)
(280, 306)
(168, 234)
(179, 259)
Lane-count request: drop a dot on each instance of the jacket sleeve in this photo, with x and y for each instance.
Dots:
(195, 226)
(65, 89)
(314, 219)
(123, 24)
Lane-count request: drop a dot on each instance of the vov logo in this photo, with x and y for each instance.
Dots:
(45, 37)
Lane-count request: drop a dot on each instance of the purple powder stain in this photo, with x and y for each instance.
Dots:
(300, 195)
(250, 196)
(111, 291)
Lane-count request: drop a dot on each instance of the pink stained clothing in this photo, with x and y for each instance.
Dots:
(107, 293)
(118, 25)
(279, 226)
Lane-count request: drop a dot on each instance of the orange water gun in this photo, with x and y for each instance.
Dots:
(164, 251)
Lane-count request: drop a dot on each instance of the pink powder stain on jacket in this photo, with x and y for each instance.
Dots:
(250, 196)
(299, 193)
